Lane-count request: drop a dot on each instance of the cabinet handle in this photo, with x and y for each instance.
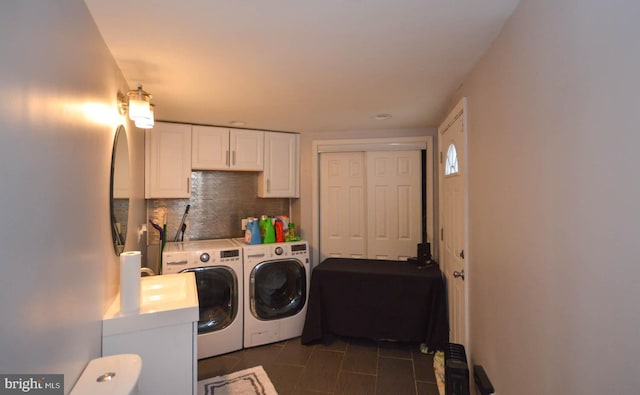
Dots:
(268, 185)
(189, 185)
(227, 160)
(234, 158)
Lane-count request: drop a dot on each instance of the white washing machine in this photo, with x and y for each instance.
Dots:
(276, 289)
(217, 265)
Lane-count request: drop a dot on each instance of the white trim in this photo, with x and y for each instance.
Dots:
(377, 144)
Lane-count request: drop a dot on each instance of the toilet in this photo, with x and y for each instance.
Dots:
(112, 375)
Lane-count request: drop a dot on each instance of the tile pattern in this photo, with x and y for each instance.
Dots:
(344, 367)
(219, 200)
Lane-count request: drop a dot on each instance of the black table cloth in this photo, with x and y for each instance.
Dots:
(377, 299)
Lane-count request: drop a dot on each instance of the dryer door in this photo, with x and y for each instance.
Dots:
(278, 289)
(218, 297)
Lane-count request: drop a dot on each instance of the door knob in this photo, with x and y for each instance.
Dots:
(458, 274)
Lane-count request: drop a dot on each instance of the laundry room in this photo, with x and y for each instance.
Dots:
(489, 146)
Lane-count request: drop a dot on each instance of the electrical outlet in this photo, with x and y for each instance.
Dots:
(244, 223)
(142, 229)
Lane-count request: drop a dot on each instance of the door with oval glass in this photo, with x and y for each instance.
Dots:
(453, 218)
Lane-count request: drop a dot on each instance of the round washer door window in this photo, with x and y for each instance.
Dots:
(217, 296)
(278, 289)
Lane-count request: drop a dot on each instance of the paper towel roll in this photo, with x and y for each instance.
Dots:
(130, 282)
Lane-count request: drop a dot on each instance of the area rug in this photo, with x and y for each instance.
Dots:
(252, 381)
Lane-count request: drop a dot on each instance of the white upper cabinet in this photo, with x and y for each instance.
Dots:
(168, 161)
(216, 148)
(210, 148)
(280, 176)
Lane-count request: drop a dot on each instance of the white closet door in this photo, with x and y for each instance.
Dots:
(394, 204)
(342, 205)
(370, 204)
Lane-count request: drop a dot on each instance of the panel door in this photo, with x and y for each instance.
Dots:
(281, 167)
(210, 149)
(168, 161)
(247, 150)
(453, 224)
(343, 216)
(394, 191)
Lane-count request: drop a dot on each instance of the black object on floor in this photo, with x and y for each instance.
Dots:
(483, 385)
(456, 370)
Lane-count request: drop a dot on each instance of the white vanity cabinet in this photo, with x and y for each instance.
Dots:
(281, 166)
(168, 161)
(216, 148)
(163, 333)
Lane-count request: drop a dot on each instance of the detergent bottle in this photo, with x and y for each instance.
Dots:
(279, 227)
(291, 236)
(267, 230)
(252, 233)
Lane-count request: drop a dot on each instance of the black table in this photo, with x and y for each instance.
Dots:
(377, 299)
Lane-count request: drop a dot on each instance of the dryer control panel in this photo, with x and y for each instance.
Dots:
(299, 249)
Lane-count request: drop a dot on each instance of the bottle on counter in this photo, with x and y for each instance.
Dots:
(279, 228)
(267, 229)
(285, 225)
(252, 233)
(263, 225)
(291, 236)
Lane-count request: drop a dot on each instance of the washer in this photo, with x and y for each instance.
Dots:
(276, 289)
(217, 265)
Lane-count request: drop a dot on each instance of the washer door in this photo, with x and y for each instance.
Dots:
(278, 289)
(218, 297)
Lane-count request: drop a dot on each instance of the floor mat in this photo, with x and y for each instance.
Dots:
(252, 381)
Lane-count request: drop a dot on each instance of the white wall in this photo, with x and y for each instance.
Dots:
(554, 198)
(58, 116)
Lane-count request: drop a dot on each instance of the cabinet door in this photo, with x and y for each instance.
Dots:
(168, 161)
(280, 176)
(246, 148)
(210, 148)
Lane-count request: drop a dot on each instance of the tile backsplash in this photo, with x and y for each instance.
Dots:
(219, 200)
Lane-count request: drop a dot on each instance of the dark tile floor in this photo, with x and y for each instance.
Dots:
(346, 366)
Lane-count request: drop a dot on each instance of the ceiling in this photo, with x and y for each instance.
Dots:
(300, 65)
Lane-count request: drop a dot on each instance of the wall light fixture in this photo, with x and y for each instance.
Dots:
(138, 103)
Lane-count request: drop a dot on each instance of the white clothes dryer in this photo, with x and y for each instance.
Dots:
(217, 265)
(276, 289)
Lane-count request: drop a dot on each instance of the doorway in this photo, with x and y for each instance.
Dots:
(452, 182)
(370, 204)
(355, 178)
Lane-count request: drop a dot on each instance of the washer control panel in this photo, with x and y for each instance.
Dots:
(230, 255)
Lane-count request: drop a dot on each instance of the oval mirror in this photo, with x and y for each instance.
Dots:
(119, 199)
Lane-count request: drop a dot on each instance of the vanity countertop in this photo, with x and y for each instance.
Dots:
(165, 300)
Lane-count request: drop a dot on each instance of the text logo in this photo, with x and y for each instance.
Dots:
(40, 384)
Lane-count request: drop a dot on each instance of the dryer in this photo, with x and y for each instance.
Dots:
(217, 265)
(276, 289)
